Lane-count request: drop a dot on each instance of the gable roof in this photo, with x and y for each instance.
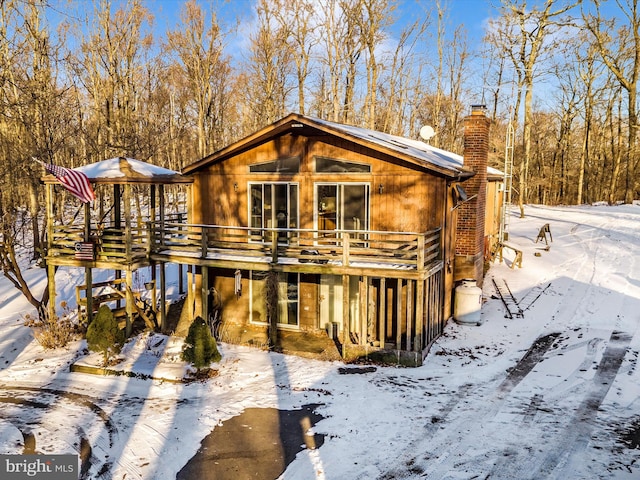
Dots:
(414, 152)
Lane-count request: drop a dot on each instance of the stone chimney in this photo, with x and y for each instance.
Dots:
(469, 259)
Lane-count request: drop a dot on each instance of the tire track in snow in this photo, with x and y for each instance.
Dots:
(15, 395)
(445, 453)
(559, 462)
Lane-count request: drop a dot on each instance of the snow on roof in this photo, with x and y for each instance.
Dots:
(415, 148)
(121, 168)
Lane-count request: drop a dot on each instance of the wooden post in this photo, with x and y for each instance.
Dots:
(274, 247)
(364, 310)
(204, 243)
(371, 311)
(163, 298)
(88, 278)
(51, 271)
(128, 301)
(88, 273)
(419, 315)
(51, 279)
(409, 313)
(382, 311)
(152, 223)
(346, 319)
(399, 314)
(197, 292)
(127, 223)
(346, 240)
(189, 300)
(420, 259)
(152, 198)
(154, 292)
(116, 213)
(204, 293)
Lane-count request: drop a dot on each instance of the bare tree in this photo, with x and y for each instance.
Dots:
(108, 66)
(375, 17)
(535, 26)
(270, 65)
(297, 18)
(200, 49)
(621, 54)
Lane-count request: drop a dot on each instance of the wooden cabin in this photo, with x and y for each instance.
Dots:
(310, 230)
(308, 236)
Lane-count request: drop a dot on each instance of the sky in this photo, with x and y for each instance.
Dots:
(471, 13)
(553, 393)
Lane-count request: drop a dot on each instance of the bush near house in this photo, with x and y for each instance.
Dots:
(53, 332)
(200, 348)
(104, 335)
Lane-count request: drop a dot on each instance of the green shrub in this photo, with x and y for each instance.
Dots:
(200, 348)
(103, 334)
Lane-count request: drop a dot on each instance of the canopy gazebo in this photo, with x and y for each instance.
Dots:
(111, 234)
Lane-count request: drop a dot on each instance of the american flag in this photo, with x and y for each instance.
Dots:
(74, 181)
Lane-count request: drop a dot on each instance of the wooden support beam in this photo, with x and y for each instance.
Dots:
(419, 315)
(364, 304)
(274, 247)
(128, 242)
(129, 300)
(345, 249)
(409, 313)
(346, 320)
(197, 292)
(163, 298)
(190, 287)
(382, 311)
(204, 293)
(420, 259)
(371, 312)
(51, 270)
(399, 314)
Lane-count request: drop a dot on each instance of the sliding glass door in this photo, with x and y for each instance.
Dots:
(273, 205)
(341, 206)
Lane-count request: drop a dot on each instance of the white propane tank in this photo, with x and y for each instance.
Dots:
(467, 303)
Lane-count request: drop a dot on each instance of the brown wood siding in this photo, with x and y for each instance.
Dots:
(410, 201)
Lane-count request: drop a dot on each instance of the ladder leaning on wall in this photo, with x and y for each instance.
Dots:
(508, 179)
(503, 235)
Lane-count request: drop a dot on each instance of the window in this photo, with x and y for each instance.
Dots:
(288, 165)
(342, 206)
(288, 298)
(332, 165)
(273, 205)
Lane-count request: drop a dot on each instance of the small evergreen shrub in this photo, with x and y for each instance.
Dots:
(200, 348)
(103, 335)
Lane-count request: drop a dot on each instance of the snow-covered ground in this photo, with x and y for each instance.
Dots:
(554, 393)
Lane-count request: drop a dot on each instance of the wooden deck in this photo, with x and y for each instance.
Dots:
(400, 273)
(398, 254)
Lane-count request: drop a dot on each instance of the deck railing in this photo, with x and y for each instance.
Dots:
(108, 244)
(386, 249)
(343, 247)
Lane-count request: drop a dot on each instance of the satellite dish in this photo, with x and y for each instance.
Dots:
(427, 132)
